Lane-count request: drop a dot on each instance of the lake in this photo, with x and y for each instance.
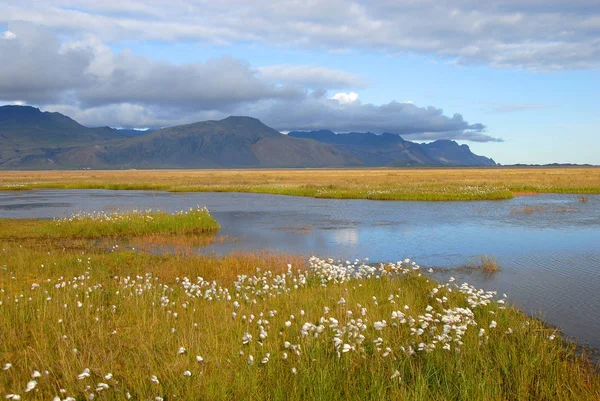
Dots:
(548, 246)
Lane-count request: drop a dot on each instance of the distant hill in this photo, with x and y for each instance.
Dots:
(391, 150)
(31, 139)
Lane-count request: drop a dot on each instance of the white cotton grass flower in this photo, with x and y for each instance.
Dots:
(250, 360)
(15, 397)
(199, 358)
(181, 351)
(154, 379)
(84, 374)
(187, 373)
(108, 376)
(551, 337)
(30, 386)
(294, 371)
(7, 366)
(395, 374)
(36, 374)
(493, 324)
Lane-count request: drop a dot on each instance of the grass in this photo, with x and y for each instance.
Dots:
(99, 225)
(376, 184)
(488, 264)
(104, 322)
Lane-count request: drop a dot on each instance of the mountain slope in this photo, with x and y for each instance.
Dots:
(391, 150)
(450, 152)
(32, 138)
(373, 150)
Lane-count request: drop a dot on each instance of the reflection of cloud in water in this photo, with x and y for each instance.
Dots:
(346, 236)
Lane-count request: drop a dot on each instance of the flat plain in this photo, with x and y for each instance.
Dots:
(377, 184)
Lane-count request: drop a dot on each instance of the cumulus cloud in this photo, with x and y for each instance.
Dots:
(86, 80)
(345, 98)
(532, 34)
(8, 35)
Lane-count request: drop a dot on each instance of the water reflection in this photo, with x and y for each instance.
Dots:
(346, 237)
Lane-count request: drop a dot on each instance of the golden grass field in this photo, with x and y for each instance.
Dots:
(377, 184)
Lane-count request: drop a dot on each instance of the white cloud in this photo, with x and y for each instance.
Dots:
(346, 98)
(532, 34)
(8, 35)
(88, 81)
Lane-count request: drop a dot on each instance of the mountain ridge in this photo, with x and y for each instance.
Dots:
(32, 139)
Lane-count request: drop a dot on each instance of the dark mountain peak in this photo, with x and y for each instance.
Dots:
(450, 152)
(241, 119)
(18, 110)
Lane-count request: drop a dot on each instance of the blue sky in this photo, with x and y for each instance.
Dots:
(526, 73)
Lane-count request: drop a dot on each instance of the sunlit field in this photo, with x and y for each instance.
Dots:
(377, 184)
(85, 322)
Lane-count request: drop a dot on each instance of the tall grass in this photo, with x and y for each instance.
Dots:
(97, 225)
(377, 184)
(103, 324)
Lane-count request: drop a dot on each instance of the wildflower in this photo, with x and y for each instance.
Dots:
(380, 325)
(187, 373)
(288, 323)
(102, 386)
(247, 338)
(395, 374)
(84, 374)
(30, 386)
(250, 360)
(36, 374)
(15, 397)
(108, 376)
(481, 332)
(7, 366)
(294, 371)
(493, 324)
(551, 337)
(181, 351)
(347, 347)
(154, 379)
(199, 358)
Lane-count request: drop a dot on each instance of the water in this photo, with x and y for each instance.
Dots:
(550, 258)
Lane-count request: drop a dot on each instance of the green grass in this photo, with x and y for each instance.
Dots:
(452, 184)
(136, 310)
(98, 225)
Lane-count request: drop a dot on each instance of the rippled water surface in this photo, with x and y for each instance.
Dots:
(548, 246)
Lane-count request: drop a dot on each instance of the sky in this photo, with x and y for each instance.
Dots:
(516, 80)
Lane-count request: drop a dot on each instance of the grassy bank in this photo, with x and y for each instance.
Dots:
(376, 184)
(263, 326)
(101, 224)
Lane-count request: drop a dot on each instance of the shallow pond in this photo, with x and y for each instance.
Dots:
(548, 246)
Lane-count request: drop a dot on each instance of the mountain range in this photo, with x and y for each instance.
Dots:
(32, 139)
